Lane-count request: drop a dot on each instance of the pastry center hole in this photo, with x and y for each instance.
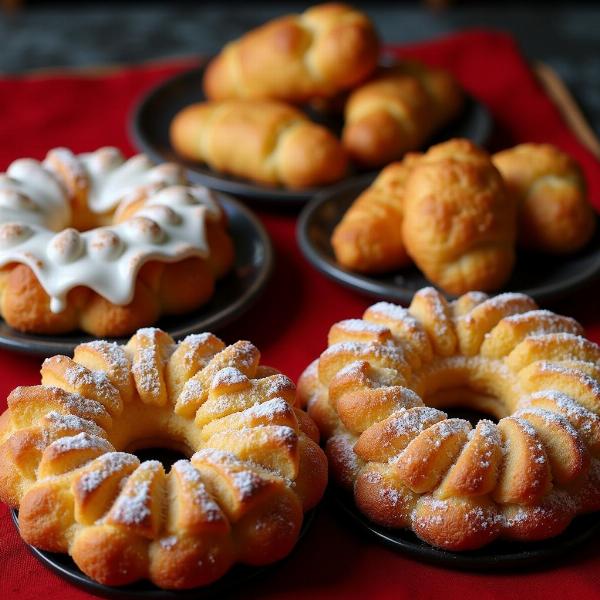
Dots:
(167, 456)
(465, 403)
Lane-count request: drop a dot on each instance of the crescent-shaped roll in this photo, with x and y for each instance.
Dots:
(326, 49)
(555, 215)
(398, 111)
(266, 141)
(459, 220)
(368, 239)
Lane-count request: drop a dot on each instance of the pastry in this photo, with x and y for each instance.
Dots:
(254, 463)
(555, 215)
(326, 49)
(266, 141)
(368, 239)
(397, 111)
(379, 391)
(97, 243)
(459, 222)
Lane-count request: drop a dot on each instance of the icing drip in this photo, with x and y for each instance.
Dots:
(34, 206)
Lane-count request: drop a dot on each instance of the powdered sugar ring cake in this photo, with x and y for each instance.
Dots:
(255, 465)
(77, 227)
(377, 395)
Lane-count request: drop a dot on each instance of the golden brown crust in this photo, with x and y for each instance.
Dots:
(555, 215)
(265, 141)
(459, 221)
(411, 466)
(397, 111)
(240, 498)
(368, 239)
(326, 49)
(160, 288)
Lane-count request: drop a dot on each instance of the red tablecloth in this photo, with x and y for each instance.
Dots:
(291, 321)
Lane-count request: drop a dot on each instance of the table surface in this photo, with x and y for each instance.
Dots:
(326, 563)
(51, 34)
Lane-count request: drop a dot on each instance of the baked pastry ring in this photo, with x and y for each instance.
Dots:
(255, 464)
(103, 244)
(378, 393)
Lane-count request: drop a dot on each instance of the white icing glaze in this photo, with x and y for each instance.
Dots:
(110, 178)
(34, 206)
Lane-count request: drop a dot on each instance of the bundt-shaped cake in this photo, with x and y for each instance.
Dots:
(66, 462)
(378, 393)
(103, 244)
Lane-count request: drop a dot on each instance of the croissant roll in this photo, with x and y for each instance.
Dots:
(266, 141)
(555, 215)
(459, 222)
(326, 49)
(397, 112)
(369, 237)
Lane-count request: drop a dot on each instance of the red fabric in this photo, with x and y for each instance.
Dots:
(291, 321)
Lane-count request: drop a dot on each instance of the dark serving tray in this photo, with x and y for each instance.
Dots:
(234, 294)
(542, 277)
(498, 555)
(233, 582)
(149, 129)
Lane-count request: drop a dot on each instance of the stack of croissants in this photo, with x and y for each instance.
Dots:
(456, 212)
(326, 58)
(459, 214)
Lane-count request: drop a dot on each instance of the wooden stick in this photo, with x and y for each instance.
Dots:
(562, 97)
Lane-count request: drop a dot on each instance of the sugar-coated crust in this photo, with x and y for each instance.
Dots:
(85, 199)
(459, 222)
(554, 212)
(378, 394)
(316, 54)
(255, 464)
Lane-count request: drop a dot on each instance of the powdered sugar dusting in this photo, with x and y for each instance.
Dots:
(133, 505)
(103, 468)
(81, 441)
(200, 496)
(359, 326)
(246, 481)
(56, 422)
(228, 376)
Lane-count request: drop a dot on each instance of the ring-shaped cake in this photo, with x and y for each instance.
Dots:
(103, 244)
(66, 459)
(377, 395)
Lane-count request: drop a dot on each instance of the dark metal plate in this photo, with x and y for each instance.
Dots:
(542, 277)
(497, 555)
(233, 296)
(233, 582)
(149, 128)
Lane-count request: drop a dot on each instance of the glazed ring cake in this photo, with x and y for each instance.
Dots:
(378, 395)
(103, 244)
(255, 465)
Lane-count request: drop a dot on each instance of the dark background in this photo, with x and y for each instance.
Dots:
(54, 34)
